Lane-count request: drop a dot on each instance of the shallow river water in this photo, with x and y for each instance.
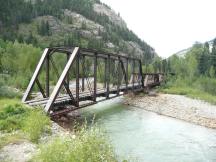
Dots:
(144, 136)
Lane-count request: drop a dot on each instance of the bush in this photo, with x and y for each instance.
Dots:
(12, 117)
(35, 124)
(19, 117)
(7, 92)
(88, 146)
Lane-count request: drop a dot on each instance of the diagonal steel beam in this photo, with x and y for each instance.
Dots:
(40, 88)
(35, 75)
(65, 84)
(61, 79)
(124, 71)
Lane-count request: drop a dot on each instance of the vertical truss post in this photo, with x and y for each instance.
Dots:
(47, 76)
(133, 71)
(105, 73)
(83, 74)
(95, 78)
(141, 73)
(126, 75)
(119, 79)
(68, 78)
(77, 79)
(61, 80)
(108, 77)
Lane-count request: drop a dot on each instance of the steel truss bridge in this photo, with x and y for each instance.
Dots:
(84, 77)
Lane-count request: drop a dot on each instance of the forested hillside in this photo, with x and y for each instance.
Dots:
(28, 26)
(85, 23)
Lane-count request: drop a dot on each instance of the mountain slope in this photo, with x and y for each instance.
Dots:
(85, 23)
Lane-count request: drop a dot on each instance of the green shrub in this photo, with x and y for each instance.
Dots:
(88, 146)
(35, 124)
(19, 117)
(12, 117)
(8, 92)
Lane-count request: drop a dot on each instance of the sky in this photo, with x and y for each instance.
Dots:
(169, 25)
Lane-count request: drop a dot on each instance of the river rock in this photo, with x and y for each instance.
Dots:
(18, 152)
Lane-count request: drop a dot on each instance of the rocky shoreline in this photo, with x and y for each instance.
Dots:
(23, 150)
(179, 107)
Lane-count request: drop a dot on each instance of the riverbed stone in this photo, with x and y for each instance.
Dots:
(18, 152)
(180, 107)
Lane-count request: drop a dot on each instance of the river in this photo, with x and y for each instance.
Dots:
(139, 135)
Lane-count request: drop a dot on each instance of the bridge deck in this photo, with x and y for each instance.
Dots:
(84, 96)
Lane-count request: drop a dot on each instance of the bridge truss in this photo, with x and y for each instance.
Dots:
(82, 77)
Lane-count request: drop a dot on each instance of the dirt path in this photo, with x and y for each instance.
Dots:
(180, 107)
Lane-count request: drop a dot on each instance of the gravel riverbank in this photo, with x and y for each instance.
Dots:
(176, 106)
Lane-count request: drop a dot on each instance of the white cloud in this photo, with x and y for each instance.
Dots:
(169, 25)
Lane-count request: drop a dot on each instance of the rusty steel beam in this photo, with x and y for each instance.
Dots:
(127, 75)
(83, 73)
(61, 79)
(108, 77)
(119, 79)
(65, 84)
(40, 88)
(47, 76)
(105, 73)
(77, 79)
(133, 72)
(141, 73)
(35, 75)
(95, 78)
(80, 58)
(68, 75)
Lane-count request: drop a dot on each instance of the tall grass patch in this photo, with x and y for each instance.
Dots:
(87, 146)
(199, 88)
(12, 117)
(35, 124)
(17, 117)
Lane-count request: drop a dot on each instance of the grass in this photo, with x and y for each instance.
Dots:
(190, 92)
(20, 123)
(35, 124)
(7, 101)
(12, 117)
(89, 145)
(11, 138)
(17, 117)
